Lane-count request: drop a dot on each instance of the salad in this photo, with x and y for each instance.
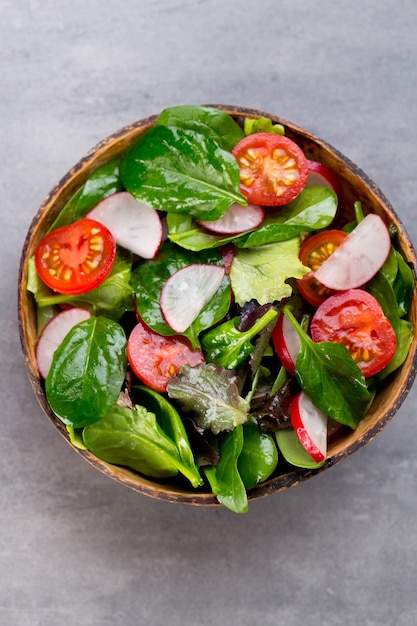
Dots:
(204, 314)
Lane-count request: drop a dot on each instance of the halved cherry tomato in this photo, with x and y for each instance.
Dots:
(313, 252)
(76, 258)
(273, 169)
(355, 319)
(155, 359)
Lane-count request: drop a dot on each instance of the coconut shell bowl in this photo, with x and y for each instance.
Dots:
(356, 186)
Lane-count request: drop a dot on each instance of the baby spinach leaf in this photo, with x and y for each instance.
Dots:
(87, 371)
(171, 423)
(261, 273)
(401, 279)
(150, 276)
(227, 346)
(187, 233)
(390, 267)
(259, 456)
(333, 381)
(115, 296)
(383, 290)
(211, 394)
(176, 170)
(327, 373)
(403, 285)
(132, 437)
(224, 478)
(404, 332)
(112, 298)
(292, 450)
(102, 183)
(208, 121)
(314, 209)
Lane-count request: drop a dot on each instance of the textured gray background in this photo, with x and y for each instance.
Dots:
(76, 548)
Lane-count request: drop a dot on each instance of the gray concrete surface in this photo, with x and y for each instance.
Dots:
(78, 549)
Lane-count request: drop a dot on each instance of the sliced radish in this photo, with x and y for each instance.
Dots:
(310, 425)
(53, 335)
(228, 252)
(134, 226)
(319, 174)
(186, 293)
(237, 219)
(359, 256)
(286, 342)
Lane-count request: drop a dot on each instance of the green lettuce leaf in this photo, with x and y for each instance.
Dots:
(112, 298)
(261, 273)
(262, 125)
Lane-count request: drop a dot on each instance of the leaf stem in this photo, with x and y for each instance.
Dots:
(358, 211)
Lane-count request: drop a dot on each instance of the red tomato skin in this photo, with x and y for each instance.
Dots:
(313, 253)
(273, 168)
(77, 258)
(155, 358)
(355, 319)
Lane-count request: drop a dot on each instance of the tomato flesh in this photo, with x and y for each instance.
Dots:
(76, 258)
(155, 359)
(355, 319)
(313, 252)
(273, 169)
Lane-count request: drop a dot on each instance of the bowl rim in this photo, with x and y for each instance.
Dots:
(150, 487)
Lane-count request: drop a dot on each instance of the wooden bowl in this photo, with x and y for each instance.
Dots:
(356, 186)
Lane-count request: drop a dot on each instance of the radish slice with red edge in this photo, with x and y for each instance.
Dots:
(186, 293)
(310, 425)
(228, 252)
(53, 335)
(319, 174)
(358, 258)
(286, 343)
(134, 225)
(237, 219)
